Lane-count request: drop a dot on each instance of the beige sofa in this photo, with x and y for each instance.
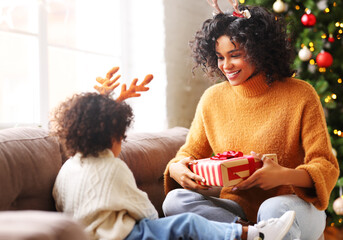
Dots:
(30, 160)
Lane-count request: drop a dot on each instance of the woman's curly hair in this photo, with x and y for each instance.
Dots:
(263, 37)
(89, 122)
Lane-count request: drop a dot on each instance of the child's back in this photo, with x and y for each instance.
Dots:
(101, 192)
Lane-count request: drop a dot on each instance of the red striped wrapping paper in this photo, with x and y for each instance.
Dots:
(227, 172)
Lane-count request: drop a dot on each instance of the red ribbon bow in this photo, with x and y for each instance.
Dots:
(238, 15)
(227, 155)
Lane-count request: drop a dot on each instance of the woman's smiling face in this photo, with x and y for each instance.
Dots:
(231, 61)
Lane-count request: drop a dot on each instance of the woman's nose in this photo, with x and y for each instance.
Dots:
(227, 64)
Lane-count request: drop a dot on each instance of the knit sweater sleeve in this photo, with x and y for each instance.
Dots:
(135, 201)
(319, 162)
(196, 145)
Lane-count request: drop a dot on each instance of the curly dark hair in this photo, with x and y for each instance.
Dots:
(89, 122)
(263, 37)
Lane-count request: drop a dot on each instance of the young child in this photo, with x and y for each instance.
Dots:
(257, 107)
(98, 189)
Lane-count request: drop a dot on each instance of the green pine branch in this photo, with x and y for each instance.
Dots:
(327, 82)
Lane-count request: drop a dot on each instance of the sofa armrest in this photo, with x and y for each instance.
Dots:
(29, 162)
(39, 225)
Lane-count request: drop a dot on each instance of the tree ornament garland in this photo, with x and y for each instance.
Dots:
(304, 54)
(324, 59)
(279, 6)
(308, 19)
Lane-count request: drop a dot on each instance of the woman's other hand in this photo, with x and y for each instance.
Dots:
(267, 177)
(272, 175)
(180, 172)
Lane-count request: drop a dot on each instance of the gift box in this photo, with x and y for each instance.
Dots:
(227, 168)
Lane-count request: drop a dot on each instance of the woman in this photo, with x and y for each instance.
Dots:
(259, 108)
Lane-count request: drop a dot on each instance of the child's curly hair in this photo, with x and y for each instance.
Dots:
(89, 122)
(263, 37)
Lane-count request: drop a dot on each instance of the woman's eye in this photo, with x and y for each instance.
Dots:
(235, 55)
(220, 58)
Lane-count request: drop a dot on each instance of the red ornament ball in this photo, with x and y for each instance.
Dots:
(331, 39)
(308, 20)
(324, 59)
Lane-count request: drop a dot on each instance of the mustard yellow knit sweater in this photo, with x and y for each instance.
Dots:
(285, 118)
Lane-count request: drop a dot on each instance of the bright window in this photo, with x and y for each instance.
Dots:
(51, 49)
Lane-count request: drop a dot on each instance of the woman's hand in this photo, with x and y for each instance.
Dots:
(267, 177)
(272, 175)
(180, 172)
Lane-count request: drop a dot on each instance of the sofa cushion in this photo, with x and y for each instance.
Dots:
(147, 155)
(29, 162)
(39, 225)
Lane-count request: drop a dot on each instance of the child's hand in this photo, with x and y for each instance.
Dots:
(107, 85)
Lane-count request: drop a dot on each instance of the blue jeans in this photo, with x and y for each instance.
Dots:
(184, 226)
(309, 222)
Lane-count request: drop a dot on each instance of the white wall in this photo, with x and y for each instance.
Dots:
(182, 19)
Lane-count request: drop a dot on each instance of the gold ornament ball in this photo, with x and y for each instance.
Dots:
(338, 206)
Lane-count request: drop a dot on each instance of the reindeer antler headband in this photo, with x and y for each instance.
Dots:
(235, 4)
(108, 85)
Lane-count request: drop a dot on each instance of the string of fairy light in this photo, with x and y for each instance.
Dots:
(333, 96)
(339, 25)
(311, 46)
(333, 35)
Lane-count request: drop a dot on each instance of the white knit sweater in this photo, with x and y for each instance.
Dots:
(102, 194)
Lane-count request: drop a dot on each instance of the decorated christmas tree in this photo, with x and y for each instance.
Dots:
(316, 28)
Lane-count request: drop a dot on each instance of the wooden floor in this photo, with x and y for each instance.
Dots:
(332, 233)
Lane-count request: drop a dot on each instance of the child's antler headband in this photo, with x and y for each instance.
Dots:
(235, 4)
(108, 85)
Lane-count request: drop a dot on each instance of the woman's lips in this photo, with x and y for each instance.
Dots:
(232, 75)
